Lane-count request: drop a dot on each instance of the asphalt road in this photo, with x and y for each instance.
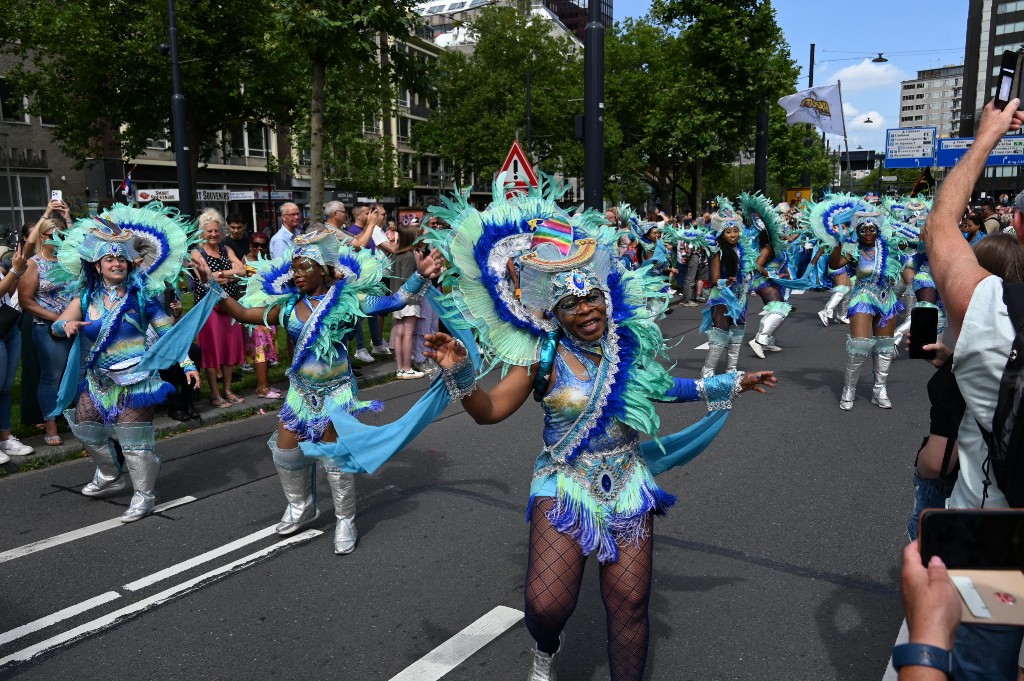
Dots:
(779, 561)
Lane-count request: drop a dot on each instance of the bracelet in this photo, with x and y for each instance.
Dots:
(216, 289)
(16, 273)
(187, 366)
(923, 655)
(58, 327)
(719, 390)
(460, 378)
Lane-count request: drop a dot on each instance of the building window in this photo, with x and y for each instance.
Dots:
(23, 198)
(404, 128)
(12, 107)
(250, 139)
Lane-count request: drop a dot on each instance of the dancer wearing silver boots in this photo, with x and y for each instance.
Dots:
(725, 314)
(317, 292)
(874, 305)
(120, 274)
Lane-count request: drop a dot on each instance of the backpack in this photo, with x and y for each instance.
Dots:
(1005, 439)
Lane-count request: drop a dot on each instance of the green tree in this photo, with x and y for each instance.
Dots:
(94, 69)
(481, 98)
(731, 59)
(354, 50)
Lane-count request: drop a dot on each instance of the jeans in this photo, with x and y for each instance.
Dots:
(986, 652)
(375, 325)
(928, 493)
(53, 358)
(10, 357)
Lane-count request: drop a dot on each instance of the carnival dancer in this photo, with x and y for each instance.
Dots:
(119, 264)
(725, 314)
(317, 292)
(583, 341)
(820, 220)
(770, 285)
(874, 304)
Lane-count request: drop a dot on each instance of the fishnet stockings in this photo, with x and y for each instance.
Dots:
(719, 318)
(927, 295)
(770, 294)
(85, 410)
(553, 580)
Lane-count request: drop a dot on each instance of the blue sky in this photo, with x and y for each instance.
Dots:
(847, 35)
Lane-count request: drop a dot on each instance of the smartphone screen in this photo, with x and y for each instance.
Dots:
(974, 539)
(924, 330)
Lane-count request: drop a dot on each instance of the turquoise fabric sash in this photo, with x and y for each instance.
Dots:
(170, 349)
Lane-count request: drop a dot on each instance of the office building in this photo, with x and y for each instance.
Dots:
(933, 100)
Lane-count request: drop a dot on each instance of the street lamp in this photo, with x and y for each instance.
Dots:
(182, 157)
(868, 120)
(879, 59)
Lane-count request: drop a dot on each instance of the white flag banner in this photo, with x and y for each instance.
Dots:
(821, 106)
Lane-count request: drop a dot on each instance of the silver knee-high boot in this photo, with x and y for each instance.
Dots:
(764, 339)
(542, 667)
(137, 443)
(717, 342)
(857, 350)
(298, 480)
(829, 312)
(884, 352)
(735, 343)
(909, 303)
(343, 491)
(108, 479)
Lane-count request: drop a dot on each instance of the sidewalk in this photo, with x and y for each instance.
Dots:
(381, 371)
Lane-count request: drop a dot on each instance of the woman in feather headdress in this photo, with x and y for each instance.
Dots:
(117, 265)
(317, 293)
(582, 339)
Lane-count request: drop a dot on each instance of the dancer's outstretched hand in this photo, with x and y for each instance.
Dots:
(443, 349)
(427, 265)
(758, 381)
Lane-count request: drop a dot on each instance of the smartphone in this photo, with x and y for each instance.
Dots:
(1008, 83)
(56, 195)
(974, 539)
(924, 330)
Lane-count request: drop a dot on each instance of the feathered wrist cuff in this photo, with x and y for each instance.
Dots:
(187, 366)
(460, 378)
(719, 390)
(215, 289)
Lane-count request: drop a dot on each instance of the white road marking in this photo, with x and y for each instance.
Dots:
(109, 619)
(199, 560)
(701, 347)
(60, 615)
(461, 646)
(88, 531)
(903, 637)
(796, 292)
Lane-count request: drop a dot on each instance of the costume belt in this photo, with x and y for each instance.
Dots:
(604, 474)
(120, 374)
(315, 394)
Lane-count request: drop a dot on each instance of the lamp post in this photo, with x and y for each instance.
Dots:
(179, 122)
(593, 108)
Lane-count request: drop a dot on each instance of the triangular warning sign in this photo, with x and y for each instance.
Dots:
(518, 170)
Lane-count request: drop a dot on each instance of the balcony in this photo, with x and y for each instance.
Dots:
(23, 159)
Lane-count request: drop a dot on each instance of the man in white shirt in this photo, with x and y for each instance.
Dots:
(282, 241)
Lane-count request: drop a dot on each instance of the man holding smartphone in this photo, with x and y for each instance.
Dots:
(976, 311)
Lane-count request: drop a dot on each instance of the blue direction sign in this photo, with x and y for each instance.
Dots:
(909, 147)
(1009, 151)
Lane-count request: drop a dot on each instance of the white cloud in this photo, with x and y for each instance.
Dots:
(867, 76)
(849, 109)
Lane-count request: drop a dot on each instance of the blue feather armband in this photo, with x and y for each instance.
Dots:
(719, 390)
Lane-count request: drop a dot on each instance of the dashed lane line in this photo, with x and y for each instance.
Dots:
(145, 604)
(81, 533)
(461, 646)
(59, 616)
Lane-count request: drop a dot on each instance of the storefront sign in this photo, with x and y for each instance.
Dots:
(213, 195)
(162, 195)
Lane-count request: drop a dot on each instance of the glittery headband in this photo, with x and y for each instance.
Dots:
(107, 238)
(322, 247)
(576, 282)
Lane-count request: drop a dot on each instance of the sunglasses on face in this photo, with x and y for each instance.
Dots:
(571, 306)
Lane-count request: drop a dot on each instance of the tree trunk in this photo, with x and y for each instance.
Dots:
(316, 142)
(697, 186)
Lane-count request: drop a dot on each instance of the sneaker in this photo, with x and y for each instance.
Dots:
(247, 368)
(14, 447)
(409, 374)
(363, 356)
(381, 349)
(4, 458)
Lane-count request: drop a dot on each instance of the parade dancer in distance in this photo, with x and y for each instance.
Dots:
(317, 292)
(583, 341)
(724, 317)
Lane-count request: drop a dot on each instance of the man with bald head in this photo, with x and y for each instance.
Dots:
(291, 221)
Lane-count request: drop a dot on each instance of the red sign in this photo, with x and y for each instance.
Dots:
(518, 172)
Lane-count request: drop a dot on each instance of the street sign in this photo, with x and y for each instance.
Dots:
(162, 195)
(1009, 151)
(909, 147)
(890, 178)
(518, 171)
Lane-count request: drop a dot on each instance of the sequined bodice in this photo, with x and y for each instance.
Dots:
(315, 369)
(866, 263)
(567, 399)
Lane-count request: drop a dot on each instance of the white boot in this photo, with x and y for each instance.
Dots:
(343, 491)
(543, 666)
(298, 481)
